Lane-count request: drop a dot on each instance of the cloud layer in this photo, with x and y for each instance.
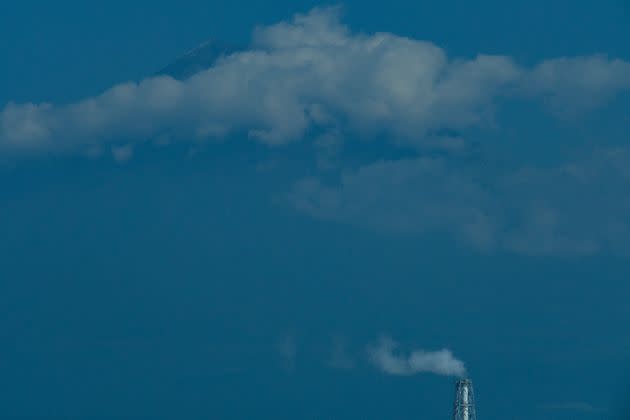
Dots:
(442, 362)
(577, 208)
(313, 78)
(311, 72)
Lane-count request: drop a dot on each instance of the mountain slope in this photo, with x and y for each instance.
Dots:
(198, 59)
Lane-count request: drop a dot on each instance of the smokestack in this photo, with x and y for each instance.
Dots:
(464, 407)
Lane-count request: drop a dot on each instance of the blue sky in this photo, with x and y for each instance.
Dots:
(237, 244)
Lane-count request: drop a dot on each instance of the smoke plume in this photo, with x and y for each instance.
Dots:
(442, 362)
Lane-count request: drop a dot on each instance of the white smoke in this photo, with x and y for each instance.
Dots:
(441, 362)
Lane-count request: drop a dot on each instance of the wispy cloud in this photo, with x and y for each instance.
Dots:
(340, 356)
(529, 211)
(572, 406)
(571, 85)
(287, 349)
(122, 153)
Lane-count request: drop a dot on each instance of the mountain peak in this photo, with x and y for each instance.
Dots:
(198, 59)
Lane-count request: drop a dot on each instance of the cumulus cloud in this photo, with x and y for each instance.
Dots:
(442, 362)
(314, 77)
(312, 71)
(577, 208)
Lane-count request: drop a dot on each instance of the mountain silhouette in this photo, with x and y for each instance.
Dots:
(198, 59)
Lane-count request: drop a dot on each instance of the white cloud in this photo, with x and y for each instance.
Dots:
(122, 153)
(312, 76)
(340, 357)
(575, 84)
(309, 72)
(411, 195)
(579, 208)
(287, 349)
(442, 362)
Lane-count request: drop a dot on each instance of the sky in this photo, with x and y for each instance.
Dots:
(350, 206)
